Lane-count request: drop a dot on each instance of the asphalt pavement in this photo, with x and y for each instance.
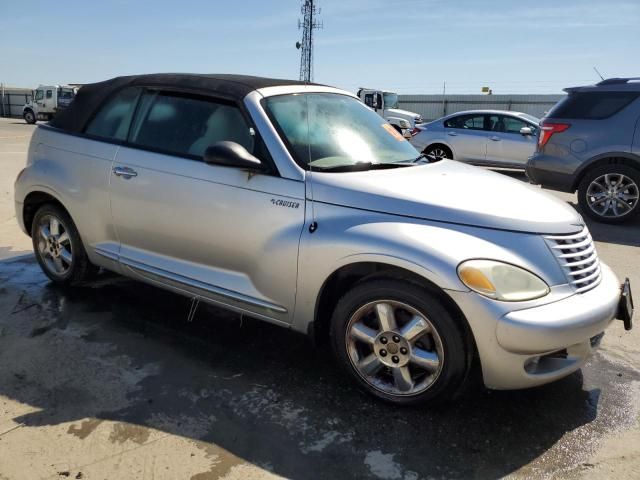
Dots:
(111, 380)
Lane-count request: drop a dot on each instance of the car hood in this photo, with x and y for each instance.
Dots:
(449, 191)
(401, 113)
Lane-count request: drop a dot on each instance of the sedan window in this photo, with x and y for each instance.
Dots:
(466, 122)
(507, 124)
(513, 125)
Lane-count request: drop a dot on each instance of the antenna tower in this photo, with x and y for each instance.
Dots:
(308, 24)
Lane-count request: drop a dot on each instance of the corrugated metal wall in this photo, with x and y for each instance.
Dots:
(12, 100)
(436, 106)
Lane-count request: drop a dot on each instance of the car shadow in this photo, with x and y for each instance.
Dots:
(116, 349)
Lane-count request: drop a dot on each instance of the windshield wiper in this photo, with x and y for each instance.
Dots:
(359, 167)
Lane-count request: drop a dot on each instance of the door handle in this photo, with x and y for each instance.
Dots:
(495, 139)
(453, 134)
(124, 172)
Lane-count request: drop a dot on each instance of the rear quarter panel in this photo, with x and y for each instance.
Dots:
(588, 140)
(76, 171)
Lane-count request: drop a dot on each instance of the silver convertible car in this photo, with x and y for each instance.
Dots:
(496, 138)
(296, 204)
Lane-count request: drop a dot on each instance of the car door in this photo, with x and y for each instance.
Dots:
(220, 233)
(467, 136)
(506, 145)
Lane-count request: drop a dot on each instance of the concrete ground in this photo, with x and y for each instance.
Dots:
(109, 381)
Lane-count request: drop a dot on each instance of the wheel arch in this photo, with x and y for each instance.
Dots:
(345, 277)
(615, 158)
(33, 201)
(439, 144)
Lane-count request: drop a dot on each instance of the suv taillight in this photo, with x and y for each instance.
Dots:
(547, 129)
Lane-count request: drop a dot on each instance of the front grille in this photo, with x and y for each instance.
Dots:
(578, 257)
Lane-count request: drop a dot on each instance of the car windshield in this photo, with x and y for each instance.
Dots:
(531, 118)
(328, 131)
(390, 100)
(66, 94)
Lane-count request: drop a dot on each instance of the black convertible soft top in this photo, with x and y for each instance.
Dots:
(91, 96)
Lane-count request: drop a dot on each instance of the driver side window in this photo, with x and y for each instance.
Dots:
(182, 124)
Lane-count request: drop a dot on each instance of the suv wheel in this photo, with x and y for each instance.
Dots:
(29, 116)
(610, 193)
(58, 247)
(399, 342)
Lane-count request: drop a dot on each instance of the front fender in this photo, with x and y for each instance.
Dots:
(432, 250)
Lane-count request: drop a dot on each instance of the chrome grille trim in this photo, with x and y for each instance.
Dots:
(576, 254)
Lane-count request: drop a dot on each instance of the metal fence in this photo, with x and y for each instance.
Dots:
(12, 100)
(436, 106)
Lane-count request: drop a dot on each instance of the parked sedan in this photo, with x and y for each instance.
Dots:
(482, 137)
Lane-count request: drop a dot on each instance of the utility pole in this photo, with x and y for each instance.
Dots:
(308, 24)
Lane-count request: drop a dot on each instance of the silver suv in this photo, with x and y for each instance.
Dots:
(590, 142)
(300, 206)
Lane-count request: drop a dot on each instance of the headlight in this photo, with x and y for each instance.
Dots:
(501, 281)
(404, 124)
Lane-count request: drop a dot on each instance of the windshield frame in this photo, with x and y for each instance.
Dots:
(285, 140)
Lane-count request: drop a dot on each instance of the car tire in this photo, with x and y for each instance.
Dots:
(610, 193)
(58, 247)
(29, 117)
(438, 152)
(421, 357)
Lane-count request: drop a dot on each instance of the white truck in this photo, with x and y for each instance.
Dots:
(385, 103)
(46, 100)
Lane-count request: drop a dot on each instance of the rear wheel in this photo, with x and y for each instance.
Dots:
(610, 193)
(399, 342)
(438, 152)
(58, 247)
(29, 116)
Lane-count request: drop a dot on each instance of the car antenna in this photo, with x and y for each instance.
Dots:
(308, 24)
(598, 73)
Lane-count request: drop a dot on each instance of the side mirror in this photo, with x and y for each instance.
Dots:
(526, 131)
(231, 154)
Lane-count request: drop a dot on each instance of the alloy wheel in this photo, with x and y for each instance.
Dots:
(436, 154)
(394, 347)
(612, 195)
(54, 245)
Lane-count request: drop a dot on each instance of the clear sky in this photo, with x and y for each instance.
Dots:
(412, 46)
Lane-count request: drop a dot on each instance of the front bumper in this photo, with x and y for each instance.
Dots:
(540, 344)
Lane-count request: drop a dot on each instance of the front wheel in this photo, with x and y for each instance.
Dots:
(610, 193)
(29, 117)
(399, 342)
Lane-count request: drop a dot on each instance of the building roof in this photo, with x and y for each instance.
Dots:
(91, 96)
